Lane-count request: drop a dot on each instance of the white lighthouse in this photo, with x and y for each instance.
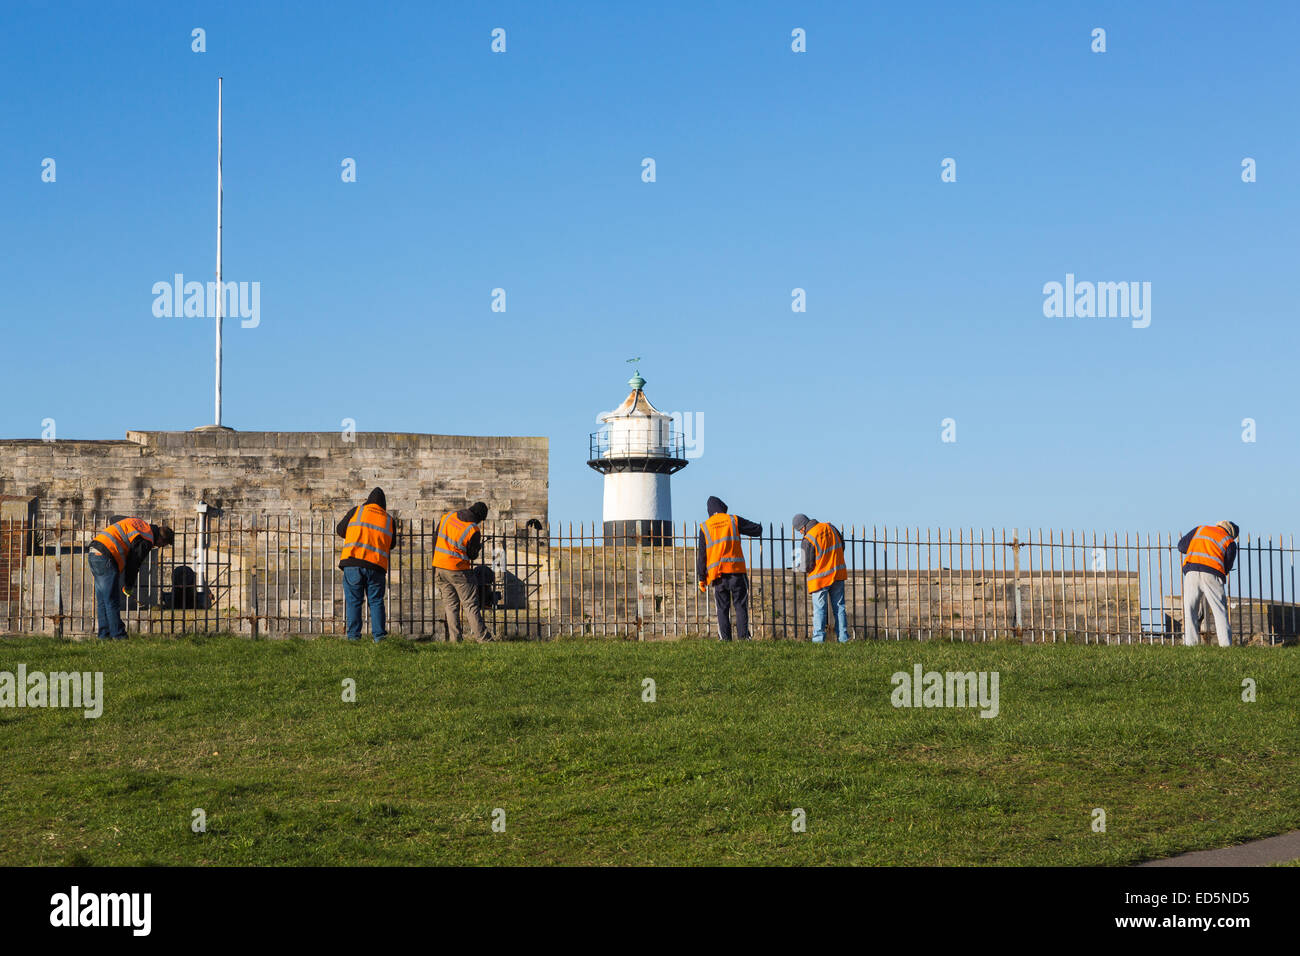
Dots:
(638, 451)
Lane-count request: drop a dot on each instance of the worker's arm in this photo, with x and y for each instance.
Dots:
(1186, 541)
(474, 546)
(751, 529)
(139, 550)
(809, 554)
(701, 559)
(396, 525)
(1229, 559)
(341, 529)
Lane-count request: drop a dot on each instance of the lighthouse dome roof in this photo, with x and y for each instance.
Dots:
(636, 405)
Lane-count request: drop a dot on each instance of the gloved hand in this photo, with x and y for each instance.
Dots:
(700, 585)
(126, 591)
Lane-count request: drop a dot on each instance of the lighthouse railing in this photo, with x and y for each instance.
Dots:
(606, 444)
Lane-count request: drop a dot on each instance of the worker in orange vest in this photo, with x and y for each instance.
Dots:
(1209, 551)
(115, 556)
(823, 559)
(369, 535)
(720, 564)
(457, 544)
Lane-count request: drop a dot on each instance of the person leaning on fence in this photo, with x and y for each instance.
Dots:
(823, 560)
(720, 564)
(457, 544)
(1209, 552)
(115, 556)
(369, 535)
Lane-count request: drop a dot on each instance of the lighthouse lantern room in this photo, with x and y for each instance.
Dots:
(638, 451)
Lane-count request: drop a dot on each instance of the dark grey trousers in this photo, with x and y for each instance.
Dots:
(732, 590)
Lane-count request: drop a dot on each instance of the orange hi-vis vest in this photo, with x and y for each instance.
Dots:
(369, 536)
(449, 548)
(723, 554)
(1209, 549)
(116, 538)
(828, 566)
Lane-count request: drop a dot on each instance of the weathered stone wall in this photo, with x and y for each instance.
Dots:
(595, 591)
(163, 474)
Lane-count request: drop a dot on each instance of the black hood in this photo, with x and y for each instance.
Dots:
(716, 506)
(377, 498)
(475, 512)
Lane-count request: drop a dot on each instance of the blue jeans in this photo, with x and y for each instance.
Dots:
(836, 594)
(367, 583)
(108, 597)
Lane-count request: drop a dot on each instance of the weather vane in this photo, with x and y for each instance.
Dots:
(636, 381)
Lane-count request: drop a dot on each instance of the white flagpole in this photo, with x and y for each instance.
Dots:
(220, 296)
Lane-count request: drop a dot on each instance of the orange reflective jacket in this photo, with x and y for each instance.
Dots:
(116, 538)
(449, 548)
(369, 536)
(828, 565)
(723, 554)
(1209, 549)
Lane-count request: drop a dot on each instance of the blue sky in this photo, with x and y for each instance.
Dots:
(775, 170)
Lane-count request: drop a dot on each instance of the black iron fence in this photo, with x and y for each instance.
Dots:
(279, 575)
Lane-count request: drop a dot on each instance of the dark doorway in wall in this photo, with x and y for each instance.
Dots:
(186, 594)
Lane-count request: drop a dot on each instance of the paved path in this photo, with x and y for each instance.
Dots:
(1278, 849)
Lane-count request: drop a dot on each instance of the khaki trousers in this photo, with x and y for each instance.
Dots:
(457, 589)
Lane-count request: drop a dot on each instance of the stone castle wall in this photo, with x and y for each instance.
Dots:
(165, 474)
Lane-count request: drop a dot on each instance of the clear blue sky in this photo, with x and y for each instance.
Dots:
(775, 170)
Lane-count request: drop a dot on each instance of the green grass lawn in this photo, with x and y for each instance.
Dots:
(557, 735)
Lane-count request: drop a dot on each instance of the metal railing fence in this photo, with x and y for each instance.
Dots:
(279, 575)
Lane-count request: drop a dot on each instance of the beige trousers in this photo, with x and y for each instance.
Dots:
(1198, 587)
(457, 589)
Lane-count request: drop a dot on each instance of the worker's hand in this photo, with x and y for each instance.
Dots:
(126, 591)
(700, 585)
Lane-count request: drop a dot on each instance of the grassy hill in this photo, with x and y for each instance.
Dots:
(558, 736)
